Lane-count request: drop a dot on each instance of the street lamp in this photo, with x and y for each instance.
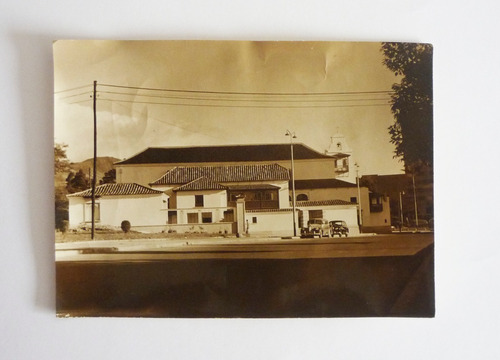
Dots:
(359, 196)
(401, 193)
(415, 200)
(292, 136)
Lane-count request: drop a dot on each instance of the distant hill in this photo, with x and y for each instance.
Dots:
(104, 164)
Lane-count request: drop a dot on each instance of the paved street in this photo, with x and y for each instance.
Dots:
(389, 275)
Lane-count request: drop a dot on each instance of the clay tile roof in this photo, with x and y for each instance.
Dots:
(323, 203)
(225, 153)
(117, 189)
(202, 183)
(253, 187)
(224, 174)
(321, 184)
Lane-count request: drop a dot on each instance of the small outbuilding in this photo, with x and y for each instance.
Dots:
(140, 205)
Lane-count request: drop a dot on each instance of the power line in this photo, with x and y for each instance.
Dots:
(243, 106)
(74, 95)
(75, 88)
(359, 100)
(249, 93)
(240, 100)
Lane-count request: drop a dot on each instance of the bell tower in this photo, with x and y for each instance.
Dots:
(342, 152)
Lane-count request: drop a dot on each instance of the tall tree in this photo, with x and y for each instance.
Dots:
(77, 182)
(61, 163)
(412, 103)
(109, 177)
(61, 168)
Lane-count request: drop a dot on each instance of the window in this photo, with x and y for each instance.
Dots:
(172, 217)
(254, 220)
(192, 218)
(88, 212)
(376, 203)
(315, 214)
(354, 199)
(342, 165)
(302, 197)
(228, 216)
(257, 199)
(206, 217)
(198, 200)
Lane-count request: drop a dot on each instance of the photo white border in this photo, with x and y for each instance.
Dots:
(466, 77)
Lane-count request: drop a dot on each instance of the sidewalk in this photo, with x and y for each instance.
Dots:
(166, 243)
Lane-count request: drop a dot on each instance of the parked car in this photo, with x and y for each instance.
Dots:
(317, 227)
(339, 227)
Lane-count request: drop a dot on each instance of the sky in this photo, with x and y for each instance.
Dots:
(223, 92)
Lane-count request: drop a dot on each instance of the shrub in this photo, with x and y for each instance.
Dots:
(125, 225)
(65, 226)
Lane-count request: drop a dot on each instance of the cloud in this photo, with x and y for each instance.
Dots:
(154, 118)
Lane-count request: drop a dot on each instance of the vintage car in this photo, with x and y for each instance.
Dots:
(339, 227)
(316, 227)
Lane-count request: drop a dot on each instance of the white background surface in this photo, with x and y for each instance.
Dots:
(466, 75)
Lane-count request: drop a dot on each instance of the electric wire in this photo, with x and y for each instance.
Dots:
(248, 93)
(213, 97)
(71, 89)
(239, 100)
(243, 106)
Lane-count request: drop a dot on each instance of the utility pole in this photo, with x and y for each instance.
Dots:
(292, 136)
(401, 209)
(415, 199)
(95, 160)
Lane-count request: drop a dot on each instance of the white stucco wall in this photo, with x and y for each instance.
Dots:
(140, 210)
(370, 219)
(271, 223)
(144, 174)
(283, 194)
(311, 169)
(217, 215)
(211, 199)
(214, 202)
(76, 210)
(378, 219)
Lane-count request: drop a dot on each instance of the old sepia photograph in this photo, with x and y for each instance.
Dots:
(243, 179)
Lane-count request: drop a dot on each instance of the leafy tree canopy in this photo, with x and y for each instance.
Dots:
(109, 177)
(412, 105)
(77, 182)
(61, 163)
(61, 166)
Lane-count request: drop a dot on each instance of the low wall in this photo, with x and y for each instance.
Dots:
(275, 223)
(212, 228)
(377, 229)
